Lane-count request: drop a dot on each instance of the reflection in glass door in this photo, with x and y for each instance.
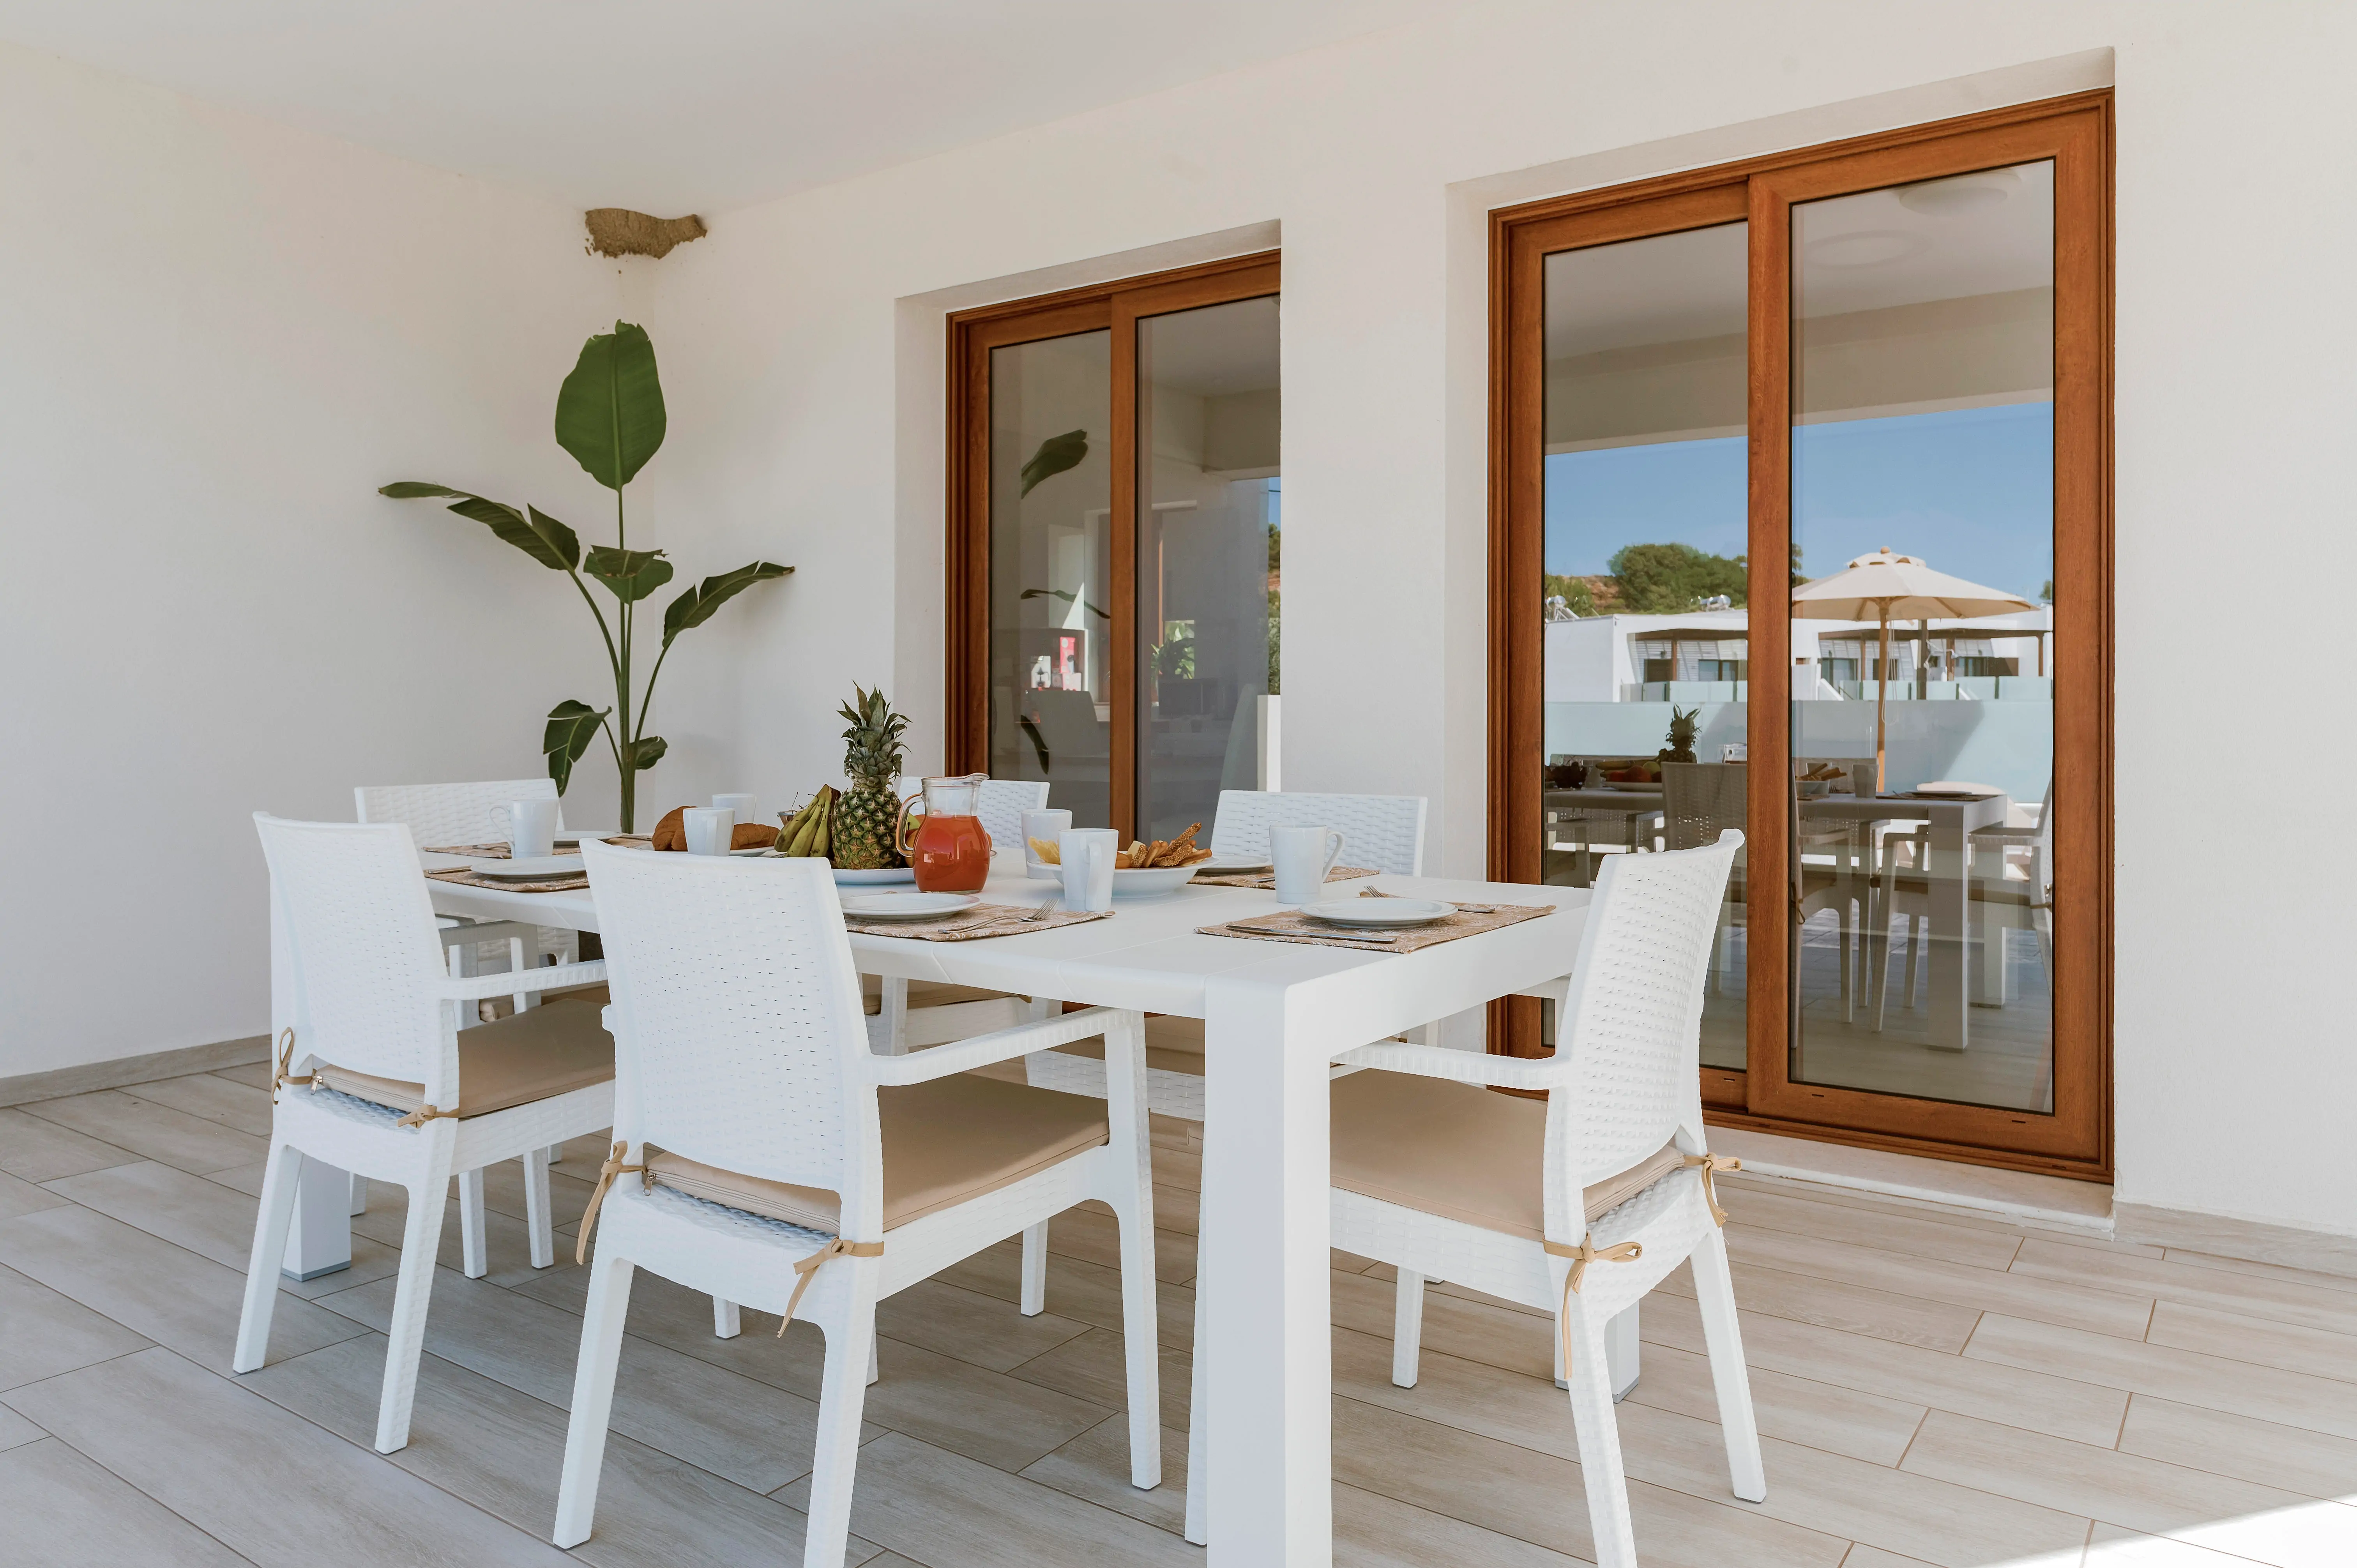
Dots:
(1924, 655)
(1208, 483)
(1050, 569)
(1644, 591)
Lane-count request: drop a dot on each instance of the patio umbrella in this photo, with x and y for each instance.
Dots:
(1883, 587)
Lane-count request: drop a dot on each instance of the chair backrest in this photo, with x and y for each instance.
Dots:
(367, 962)
(736, 1020)
(1386, 831)
(1001, 807)
(1700, 800)
(442, 814)
(1632, 1020)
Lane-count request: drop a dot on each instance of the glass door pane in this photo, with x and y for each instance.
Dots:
(1208, 492)
(1050, 569)
(1646, 662)
(1923, 645)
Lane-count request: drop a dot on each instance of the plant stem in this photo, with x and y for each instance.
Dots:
(626, 757)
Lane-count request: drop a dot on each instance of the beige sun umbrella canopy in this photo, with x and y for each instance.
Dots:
(1884, 587)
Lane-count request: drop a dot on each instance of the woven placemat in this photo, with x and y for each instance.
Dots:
(1293, 926)
(1268, 878)
(466, 876)
(974, 922)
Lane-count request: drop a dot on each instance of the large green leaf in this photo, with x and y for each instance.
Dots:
(694, 607)
(610, 411)
(1056, 454)
(538, 536)
(631, 574)
(572, 729)
(647, 751)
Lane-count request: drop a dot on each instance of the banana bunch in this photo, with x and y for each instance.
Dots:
(809, 831)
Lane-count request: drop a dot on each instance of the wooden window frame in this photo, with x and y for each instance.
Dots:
(2077, 133)
(973, 334)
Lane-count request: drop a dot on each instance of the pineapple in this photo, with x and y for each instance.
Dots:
(1684, 723)
(863, 819)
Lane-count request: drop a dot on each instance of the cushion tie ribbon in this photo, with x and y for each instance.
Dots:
(606, 1175)
(285, 1075)
(808, 1268)
(1709, 1165)
(1587, 1253)
(422, 1114)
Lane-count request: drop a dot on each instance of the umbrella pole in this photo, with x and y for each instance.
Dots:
(1882, 690)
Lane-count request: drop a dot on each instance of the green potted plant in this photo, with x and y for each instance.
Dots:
(609, 417)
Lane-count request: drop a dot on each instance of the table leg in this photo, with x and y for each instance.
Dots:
(1266, 1225)
(1950, 899)
(320, 1239)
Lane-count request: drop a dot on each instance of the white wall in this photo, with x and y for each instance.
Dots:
(222, 336)
(815, 326)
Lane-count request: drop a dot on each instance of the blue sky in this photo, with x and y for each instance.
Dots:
(1971, 491)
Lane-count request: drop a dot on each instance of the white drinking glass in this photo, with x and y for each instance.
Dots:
(1046, 827)
(707, 828)
(1302, 857)
(1088, 854)
(529, 826)
(742, 805)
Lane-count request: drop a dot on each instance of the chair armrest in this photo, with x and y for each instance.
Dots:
(998, 1046)
(508, 983)
(1462, 1067)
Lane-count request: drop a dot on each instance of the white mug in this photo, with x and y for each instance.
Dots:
(1048, 827)
(529, 826)
(742, 805)
(1088, 854)
(1302, 857)
(708, 829)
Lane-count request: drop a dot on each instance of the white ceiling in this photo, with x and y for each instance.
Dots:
(674, 106)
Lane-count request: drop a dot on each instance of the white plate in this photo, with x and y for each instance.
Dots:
(906, 905)
(1385, 912)
(538, 868)
(1233, 867)
(1959, 791)
(844, 878)
(1145, 881)
(575, 835)
(755, 849)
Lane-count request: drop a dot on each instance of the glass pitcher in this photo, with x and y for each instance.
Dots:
(944, 838)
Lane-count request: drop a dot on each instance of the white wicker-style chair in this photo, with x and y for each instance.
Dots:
(439, 814)
(2011, 887)
(1580, 1205)
(776, 1160)
(398, 1091)
(1001, 804)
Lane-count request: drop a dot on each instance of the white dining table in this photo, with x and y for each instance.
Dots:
(1275, 1014)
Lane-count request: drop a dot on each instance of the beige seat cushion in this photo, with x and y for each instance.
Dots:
(1460, 1152)
(922, 993)
(944, 1142)
(550, 1049)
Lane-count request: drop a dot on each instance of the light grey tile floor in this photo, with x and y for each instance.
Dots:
(1932, 1388)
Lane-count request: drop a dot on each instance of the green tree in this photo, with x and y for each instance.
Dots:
(1572, 591)
(1663, 579)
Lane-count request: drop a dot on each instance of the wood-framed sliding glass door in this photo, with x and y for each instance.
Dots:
(1801, 524)
(1114, 511)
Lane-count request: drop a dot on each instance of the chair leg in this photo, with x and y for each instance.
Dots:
(1141, 1351)
(420, 1239)
(1915, 928)
(1198, 1527)
(725, 1324)
(535, 1209)
(1723, 1337)
(607, 1307)
(1597, 1427)
(1407, 1328)
(473, 1257)
(276, 1216)
(842, 1399)
(1035, 1270)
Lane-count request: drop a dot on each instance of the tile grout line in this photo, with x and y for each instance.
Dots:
(134, 1487)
